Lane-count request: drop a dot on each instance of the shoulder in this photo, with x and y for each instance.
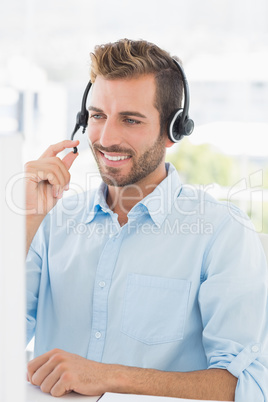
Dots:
(78, 205)
(198, 201)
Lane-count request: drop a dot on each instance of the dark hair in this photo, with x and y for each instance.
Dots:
(126, 58)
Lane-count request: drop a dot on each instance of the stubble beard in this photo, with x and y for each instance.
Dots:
(141, 166)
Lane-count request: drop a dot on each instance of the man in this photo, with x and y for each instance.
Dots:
(124, 294)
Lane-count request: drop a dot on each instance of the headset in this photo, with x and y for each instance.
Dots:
(179, 123)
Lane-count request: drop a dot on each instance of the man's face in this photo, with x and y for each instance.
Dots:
(124, 130)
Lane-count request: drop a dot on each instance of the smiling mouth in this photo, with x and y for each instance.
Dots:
(115, 158)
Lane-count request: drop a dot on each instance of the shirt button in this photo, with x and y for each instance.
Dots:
(102, 284)
(255, 349)
(98, 335)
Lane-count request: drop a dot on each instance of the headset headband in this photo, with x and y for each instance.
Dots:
(179, 123)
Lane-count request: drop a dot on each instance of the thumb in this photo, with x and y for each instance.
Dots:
(69, 159)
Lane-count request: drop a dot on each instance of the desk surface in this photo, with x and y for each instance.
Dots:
(34, 394)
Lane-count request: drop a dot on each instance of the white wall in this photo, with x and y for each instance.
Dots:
(12, 255)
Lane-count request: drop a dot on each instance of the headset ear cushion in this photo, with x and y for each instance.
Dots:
(78, 119)
(188, 126)
(176, 128)
(174, 122)
(83, 118)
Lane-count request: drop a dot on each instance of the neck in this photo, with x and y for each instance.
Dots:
(122, 199)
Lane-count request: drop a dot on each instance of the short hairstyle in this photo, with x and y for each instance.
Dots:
(126, 59)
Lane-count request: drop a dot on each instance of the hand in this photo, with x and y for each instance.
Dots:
(47, 178)
(58, 372)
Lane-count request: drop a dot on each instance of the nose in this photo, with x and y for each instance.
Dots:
(110, 133)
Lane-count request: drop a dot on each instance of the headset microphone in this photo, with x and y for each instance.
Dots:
(82, 116)
(179, 123)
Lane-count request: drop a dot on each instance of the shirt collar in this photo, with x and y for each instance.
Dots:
(157, 204)
(160, 201)
(98, 203)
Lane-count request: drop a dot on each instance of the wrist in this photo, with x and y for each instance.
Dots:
(130, 380)
(32, 224)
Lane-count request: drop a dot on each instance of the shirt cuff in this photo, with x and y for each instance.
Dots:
(251, 368)
(244, 359)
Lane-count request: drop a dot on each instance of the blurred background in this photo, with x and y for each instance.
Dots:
(44, 68)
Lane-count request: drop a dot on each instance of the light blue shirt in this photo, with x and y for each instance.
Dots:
(181, 287)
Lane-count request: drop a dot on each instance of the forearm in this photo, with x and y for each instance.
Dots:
(59, 372)
(212, 384)
(32, 224)
(45, 181)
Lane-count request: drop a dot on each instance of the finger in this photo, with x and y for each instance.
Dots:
(59, 177)
(35, 364)
(53, 376)
(56, 175)
(69, 159)
(51, 169)
(62, 386)
(67, 162)
(50, 381)
(43, 373)
(54, 149)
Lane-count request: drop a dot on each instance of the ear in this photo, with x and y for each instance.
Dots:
(169, 143)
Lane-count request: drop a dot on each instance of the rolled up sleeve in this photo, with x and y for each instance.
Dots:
(252, 373)
(234, 308)
(35, 261)
(33, 274)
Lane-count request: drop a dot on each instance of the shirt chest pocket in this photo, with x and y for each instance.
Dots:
(155, 308)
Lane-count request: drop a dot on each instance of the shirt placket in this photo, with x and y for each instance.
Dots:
(102, 285)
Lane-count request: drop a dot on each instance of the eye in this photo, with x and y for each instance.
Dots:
(132, 121)
(97, 116)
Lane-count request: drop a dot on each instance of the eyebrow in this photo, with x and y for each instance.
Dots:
(123, 113)
(95, 109)
(129, 113)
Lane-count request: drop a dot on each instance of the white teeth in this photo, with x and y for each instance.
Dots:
(115, 158)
